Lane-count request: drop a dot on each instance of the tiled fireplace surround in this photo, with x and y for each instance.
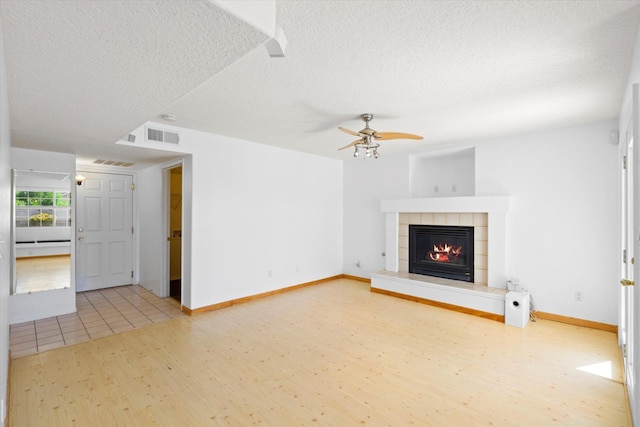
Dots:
(488, 217)
(475, 219)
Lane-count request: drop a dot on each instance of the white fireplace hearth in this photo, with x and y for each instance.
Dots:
(488, 217)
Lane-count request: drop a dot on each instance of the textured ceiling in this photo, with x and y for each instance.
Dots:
(83, 74)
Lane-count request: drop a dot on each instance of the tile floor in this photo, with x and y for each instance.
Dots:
(100, 313)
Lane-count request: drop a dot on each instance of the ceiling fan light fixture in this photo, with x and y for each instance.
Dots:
(368, 137)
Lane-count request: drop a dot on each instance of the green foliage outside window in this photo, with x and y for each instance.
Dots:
(63, 199)
(43, 198)
(43, 209)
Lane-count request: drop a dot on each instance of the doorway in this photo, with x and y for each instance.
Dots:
(104, 231)
(175, 232)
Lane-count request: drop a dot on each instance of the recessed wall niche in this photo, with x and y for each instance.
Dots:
(443, 174)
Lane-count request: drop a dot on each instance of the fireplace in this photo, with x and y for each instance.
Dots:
(441, 251)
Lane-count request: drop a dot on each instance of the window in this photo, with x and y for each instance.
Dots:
(43, 208)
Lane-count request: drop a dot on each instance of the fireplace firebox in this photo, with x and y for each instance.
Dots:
(441, 251)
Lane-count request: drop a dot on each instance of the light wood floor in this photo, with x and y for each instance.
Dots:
(43, 273)
(333, 355)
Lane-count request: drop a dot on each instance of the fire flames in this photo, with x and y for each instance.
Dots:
(444, 252)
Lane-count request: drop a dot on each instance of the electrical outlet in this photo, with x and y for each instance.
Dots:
(269, 273)
(514, 285)
(578, 296)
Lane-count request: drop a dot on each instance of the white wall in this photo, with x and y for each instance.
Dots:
(5, 229)
(563, 228)
(443, 174)
(262, 219)
(55, 302)
(366, 182)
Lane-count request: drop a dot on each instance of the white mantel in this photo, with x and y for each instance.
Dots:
(496, 208)
(497, 204)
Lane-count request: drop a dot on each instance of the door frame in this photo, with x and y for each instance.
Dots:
(134, 206)
(629, 306)
(166, 222)
(133, 254)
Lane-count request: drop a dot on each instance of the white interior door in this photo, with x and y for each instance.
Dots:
(632, 295)
(629, 305)
(104, 225)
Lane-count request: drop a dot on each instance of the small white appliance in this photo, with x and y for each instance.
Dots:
(516, 308)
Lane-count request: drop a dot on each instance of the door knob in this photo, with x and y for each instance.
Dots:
(627, 282)
(81, 238)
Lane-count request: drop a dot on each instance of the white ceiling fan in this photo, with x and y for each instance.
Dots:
(367, 138)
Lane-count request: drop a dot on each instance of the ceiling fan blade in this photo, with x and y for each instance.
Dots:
(357, 141)
(349, 131)
(396, 135)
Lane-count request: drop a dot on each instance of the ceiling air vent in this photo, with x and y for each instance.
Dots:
(159, 135)
(113, 163)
